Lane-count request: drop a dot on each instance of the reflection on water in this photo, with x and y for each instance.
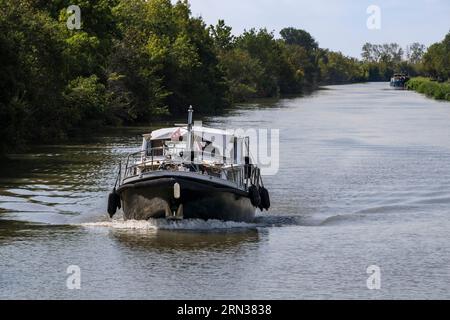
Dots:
(364, 179)
(184, 240)
(189, 234)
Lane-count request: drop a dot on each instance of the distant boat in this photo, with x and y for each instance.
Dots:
(185, 172)
(399, 80)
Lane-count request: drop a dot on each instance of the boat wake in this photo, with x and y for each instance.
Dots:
(163, 224)
(196, 224)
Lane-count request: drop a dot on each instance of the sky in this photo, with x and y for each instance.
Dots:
(339, 25)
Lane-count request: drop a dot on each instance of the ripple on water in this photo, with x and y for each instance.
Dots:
(364, 178)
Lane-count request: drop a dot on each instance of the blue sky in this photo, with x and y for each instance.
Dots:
(336, 24)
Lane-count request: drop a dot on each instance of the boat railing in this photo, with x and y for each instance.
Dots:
(177, 159)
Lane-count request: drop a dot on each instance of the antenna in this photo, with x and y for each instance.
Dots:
(189, 127)
(190, 112)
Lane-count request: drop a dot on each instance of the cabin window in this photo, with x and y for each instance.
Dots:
(156, 148)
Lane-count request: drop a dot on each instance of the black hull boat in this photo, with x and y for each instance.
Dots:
(174, 179)
(155, 197)
(398, 81)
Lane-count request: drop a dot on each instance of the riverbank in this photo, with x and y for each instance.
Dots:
(432, 89)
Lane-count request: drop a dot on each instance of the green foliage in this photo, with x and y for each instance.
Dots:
(12, 125)
(32, 68)
(82, 54)
(388, 53)
(262, 46)
(381, 61)
(337, 68)
(136, 61)
(304, 64)
(257, 64)
(85, 100)
(243, 73)
(430, 88)
(292, 36)
(170, 59)
(415, 52)
(132, 61)
(436, 61)
(222, 36)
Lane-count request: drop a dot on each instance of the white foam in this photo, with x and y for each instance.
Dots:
(155, 224)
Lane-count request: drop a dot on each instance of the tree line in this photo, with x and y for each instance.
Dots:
(435, 65)
(428, 67)
(134, 61)
(436, 61)
(381, 61)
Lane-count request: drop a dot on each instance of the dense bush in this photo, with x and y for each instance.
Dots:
(436, 61)
(434, 89)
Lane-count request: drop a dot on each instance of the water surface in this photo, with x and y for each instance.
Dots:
(364, 179)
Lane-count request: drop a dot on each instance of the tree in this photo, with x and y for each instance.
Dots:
(85, 101)
(415, 52)
(243, 74)
(32, 68)
(221, 33)
(368, 53)
(381, 61)
(298, 37)
(262, 46)
(138, 60)
(175, 57)
(336, 68)
(436, 61)
(387, 52)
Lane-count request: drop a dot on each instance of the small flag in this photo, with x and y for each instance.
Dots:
(176, 135)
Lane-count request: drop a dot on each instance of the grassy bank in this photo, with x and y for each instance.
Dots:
(433, 89)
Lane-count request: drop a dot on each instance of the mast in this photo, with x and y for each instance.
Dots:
(189, 127)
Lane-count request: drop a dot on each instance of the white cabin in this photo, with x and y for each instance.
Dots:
(206, 146)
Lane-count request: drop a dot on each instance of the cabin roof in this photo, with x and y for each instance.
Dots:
(167, 133)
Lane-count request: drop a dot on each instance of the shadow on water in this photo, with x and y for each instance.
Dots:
(22, 231)
(143, 238)
(186, 240)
